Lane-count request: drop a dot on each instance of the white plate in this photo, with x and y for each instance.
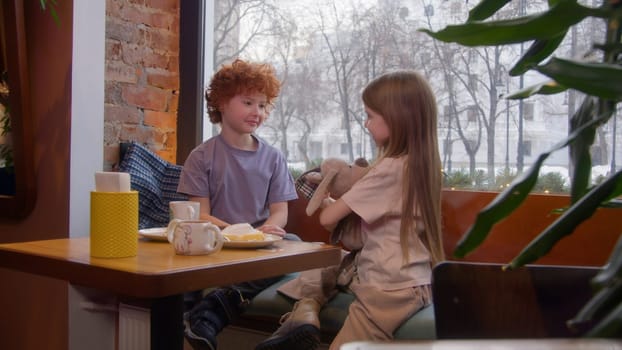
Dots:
(253, 244)
(156, 233)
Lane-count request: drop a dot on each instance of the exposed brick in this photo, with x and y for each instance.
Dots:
(136, 133)
(113, 50)
(111, 156)
(166, 5)
(142, 76)
(173, 64)
(145, 97)
(111, 131)
(173, 105)
(161, 120)
(122, 114)
(118, 71)
(149, 18)
(162, 78)
(163, 40)
(168, 155)
(122, 31)
(112, 93)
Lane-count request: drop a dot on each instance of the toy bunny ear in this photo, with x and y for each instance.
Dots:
(320, 192)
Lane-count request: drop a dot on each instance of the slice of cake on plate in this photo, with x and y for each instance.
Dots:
(242, 233)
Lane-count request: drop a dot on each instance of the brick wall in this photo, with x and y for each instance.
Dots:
(142, 76)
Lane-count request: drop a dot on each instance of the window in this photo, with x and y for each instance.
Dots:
(473, 82)
(470, 145)
(429, 10)
(527, 147)
(458, 77)
(456, 8)
(344, 148)
(315, 150)
(528, 110)
(447, 112)
(472, 114)
(447, 145)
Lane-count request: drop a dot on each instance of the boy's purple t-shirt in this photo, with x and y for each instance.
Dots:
(240, 184)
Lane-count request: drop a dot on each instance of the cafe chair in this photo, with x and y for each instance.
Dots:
(156, 181)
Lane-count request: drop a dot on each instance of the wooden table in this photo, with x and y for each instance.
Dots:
(160, 276)
(492, 344)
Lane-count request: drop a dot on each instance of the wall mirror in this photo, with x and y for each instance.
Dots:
(18, 157)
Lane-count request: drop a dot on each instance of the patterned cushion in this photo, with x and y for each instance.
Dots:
(156, 181)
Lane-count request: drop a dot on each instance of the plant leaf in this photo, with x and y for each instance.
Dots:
(599, 305)
(612, 269)
(538, 51)
(509, 199)
(546, 88)
(610, 326)
(485, 9)
(580, 156)
(598, 79)
(545, 25)
(572, 217)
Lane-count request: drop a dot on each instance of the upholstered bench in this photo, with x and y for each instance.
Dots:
(267, 307)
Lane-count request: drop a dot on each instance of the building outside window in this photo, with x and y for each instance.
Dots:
(325, 58)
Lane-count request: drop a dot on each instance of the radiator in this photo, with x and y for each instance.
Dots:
(134, 328)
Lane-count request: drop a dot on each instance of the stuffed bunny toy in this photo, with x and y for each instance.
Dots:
(336, 177)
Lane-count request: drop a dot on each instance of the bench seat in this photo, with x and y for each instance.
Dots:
(267, 307)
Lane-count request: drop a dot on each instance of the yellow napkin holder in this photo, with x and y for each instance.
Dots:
(114, 224)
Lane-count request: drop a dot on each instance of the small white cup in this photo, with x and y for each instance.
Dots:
(194, 237)
(184, 210)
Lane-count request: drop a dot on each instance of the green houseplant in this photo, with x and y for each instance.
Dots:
(601, 82)
(7, 172)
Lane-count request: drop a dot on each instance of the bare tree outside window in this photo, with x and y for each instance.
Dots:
(325, 51)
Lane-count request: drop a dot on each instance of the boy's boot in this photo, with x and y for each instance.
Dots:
(213, 313)
(299, 330)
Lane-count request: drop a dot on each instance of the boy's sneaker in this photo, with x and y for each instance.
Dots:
(200, 335)
(213, 313)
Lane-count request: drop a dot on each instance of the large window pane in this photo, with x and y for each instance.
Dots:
(325, 51)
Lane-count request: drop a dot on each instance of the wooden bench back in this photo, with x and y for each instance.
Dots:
(590, 245)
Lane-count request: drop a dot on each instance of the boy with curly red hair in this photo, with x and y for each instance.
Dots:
(238, 178)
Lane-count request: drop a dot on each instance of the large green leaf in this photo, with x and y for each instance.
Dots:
(545, 25)
(572, 217)
(485, 9)
(537, 52)
(599, 305)
(509, 199)
(612, 270)
(580, 156)
(546, 88)
(502, 206)
(610, 326)
(597, 79)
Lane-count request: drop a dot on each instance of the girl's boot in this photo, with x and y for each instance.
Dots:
(299, 330)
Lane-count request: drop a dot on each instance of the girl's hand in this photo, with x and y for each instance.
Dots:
(272, 229)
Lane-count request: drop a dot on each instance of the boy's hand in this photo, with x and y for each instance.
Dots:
(272, 229)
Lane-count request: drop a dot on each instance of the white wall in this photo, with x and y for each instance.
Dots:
(91, 325)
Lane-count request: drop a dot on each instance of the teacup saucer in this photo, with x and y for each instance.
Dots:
(155, 233)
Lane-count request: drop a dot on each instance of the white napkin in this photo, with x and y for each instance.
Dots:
(110, 181)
